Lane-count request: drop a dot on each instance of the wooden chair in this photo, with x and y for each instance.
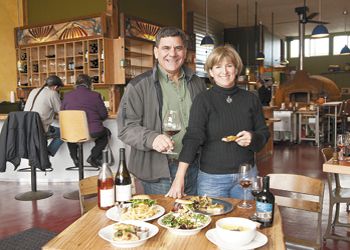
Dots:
(302, 193)
(337, 195)
(88, 193)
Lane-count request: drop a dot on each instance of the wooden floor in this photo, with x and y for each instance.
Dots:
(56, 213)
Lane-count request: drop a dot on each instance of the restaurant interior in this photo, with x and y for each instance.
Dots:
(308, 115)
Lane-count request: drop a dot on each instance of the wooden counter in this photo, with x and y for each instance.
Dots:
(3, 117)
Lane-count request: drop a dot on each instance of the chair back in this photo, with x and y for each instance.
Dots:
(88, 193)
(301, 193)
(327, 154)
(74, 126)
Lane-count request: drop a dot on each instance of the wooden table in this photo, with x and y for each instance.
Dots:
(83, 233)
(343, 167)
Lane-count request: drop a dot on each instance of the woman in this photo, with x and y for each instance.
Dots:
(223, 110)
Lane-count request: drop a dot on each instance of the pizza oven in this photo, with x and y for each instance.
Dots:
(305, 88)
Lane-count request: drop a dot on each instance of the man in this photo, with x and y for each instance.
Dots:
(169, 86)
(46, 102)
(264, 92)
(83, 98)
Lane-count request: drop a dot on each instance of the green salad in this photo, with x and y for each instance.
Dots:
(137, 202)
(185, 220)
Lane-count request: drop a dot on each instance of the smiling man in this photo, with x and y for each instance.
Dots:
(169, 86)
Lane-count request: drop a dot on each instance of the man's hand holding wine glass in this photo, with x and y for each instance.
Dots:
(163, 143)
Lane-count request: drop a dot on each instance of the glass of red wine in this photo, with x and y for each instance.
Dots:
(171, 126)
(245, 182)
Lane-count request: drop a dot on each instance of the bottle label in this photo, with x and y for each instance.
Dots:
(107, 197)
(123, 192)
(264, 211)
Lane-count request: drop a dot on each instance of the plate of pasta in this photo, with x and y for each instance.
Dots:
(127, 234)
(137, 209)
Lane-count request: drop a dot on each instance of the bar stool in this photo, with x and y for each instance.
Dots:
(74, 129)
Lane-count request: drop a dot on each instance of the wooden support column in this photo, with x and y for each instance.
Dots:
(184, 15)
(112, 12)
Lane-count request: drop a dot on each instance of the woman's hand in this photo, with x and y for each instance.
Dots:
(177, 188)
(244, 138)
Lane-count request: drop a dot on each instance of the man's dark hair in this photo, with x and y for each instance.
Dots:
(83, 80)
(53, 81)
(170, 32)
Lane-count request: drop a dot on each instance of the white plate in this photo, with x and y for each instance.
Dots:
(184, 232)
(106, 233)
(114, 214)
(258, 241)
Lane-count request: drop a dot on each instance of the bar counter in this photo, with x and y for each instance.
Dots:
(62, 159)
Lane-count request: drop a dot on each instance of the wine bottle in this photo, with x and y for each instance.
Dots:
(265, 202)
(105, 184)
(122, 180)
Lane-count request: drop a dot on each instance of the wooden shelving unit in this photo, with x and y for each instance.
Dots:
(67, 60)
(138, 56)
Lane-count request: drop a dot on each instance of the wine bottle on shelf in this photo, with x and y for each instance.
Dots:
(265, 204)
(122, 180)
(105, 184)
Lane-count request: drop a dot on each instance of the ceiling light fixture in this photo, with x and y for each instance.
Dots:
(320, 30)
(207, 41)
(260, 55)
(345, 50)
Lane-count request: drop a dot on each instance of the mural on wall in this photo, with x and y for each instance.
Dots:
(60, 31)
(140, 29)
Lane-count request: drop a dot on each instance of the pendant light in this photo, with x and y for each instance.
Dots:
(320, 30)
(260, 56)
(345, 50)
(207, 41)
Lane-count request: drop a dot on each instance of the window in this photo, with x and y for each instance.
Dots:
(339, 42)
(294, 48)
(313, 47)
(317, 47)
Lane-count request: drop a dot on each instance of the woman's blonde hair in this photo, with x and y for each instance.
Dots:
(221, 52)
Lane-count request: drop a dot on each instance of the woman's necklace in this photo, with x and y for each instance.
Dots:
(228, 99)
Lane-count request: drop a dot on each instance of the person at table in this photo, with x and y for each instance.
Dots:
(168, 86)
(83, 98)
(221, 111)
(46, 101)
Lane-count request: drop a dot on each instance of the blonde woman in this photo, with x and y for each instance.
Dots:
(221, 111)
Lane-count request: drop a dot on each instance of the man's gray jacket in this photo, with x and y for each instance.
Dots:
(139, 122)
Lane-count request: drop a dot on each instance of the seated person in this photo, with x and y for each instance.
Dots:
(83, 98)
(46, 101)
(264, 92)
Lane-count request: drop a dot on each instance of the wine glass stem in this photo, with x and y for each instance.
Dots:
(244, 196)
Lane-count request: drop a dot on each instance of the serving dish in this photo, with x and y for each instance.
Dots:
(107, 234)
(259, 240)
(198, 219)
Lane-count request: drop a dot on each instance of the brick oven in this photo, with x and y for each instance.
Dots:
(304, 89)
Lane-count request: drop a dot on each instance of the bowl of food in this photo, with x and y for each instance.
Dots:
(127, 234)
(235, 230)
(184, 223)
